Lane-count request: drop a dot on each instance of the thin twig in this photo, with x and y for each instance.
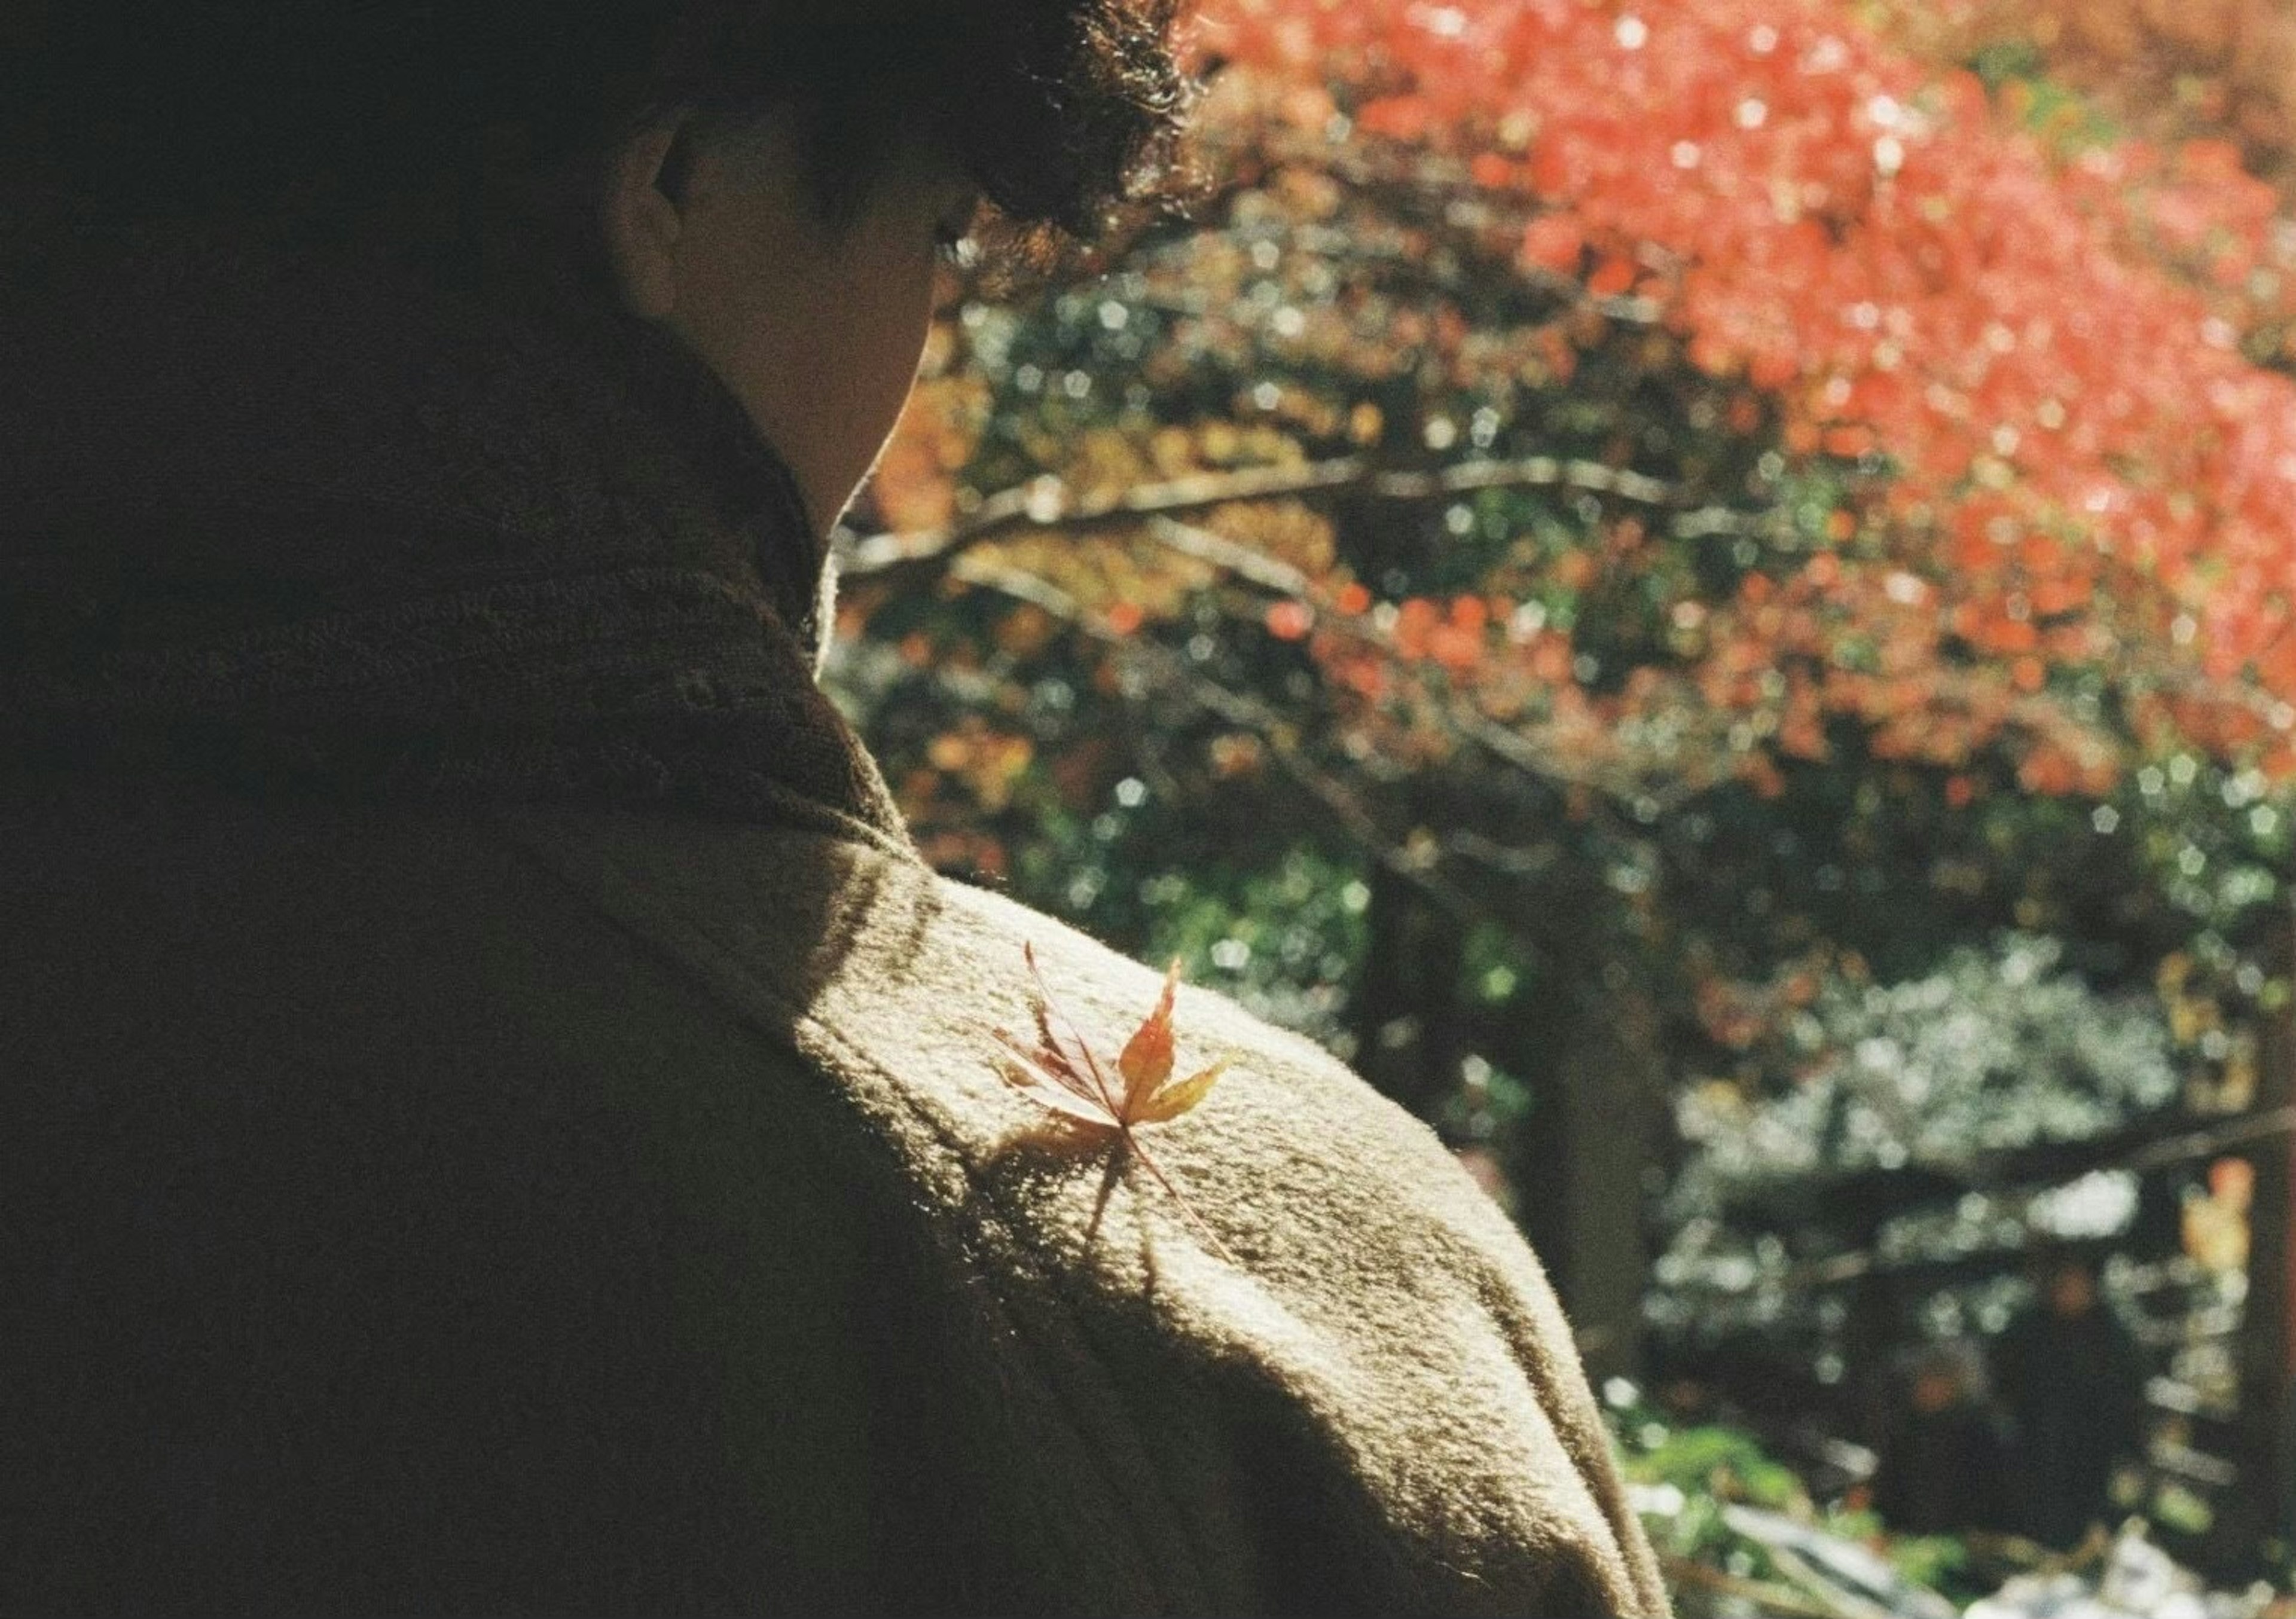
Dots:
(1247, 562)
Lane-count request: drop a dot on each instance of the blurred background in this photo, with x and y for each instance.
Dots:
(1706, 591)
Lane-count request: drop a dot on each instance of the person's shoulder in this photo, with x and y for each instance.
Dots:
(1294, 1239)
(870, 961)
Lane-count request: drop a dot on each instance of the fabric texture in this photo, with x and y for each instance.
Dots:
(540, 1144)
(327, 531)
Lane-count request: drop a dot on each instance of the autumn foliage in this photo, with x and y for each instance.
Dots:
(2085, 469)
(1652, 395)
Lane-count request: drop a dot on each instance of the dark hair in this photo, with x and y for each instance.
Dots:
(336, 113)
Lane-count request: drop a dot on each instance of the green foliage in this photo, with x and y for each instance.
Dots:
(1710, 1462)
(2007, 61)
(1935, 1560)
(1998, 1048)
(1684, 1477)
(1283, 940)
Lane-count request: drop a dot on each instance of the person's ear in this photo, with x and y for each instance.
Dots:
(643, 216)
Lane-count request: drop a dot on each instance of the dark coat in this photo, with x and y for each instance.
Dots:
(2074, 1389)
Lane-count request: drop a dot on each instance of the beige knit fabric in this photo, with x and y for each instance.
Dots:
(1384, 1315)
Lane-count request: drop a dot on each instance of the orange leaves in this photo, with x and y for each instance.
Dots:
(1554, 242)
(1575, 569)
(1550, 660)
(1453, 636)
(1801, 728)
(2000, 632)
(2054, 771)
(1151, 1094)
(1614, 274)
(2022, 439)
(989, 763)
(1063, 1076)
(1984, 527)
(1290, 621)
(1489, 168)
(915, 482)
(1400, 118)
(1415, 621)
(2042, 342)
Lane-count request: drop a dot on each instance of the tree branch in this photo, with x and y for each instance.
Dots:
(2145, 1147)
(1046, 504)
(1245, 561)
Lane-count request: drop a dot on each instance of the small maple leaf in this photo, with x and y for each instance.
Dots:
(1067, 1078)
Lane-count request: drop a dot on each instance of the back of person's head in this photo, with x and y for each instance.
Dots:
(420, 124)
(2065, 1279)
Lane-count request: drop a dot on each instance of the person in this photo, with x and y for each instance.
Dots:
(2070, 1377)
(1942, 1464)
(497, 1116)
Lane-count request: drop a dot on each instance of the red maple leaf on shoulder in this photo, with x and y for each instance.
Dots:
(1087, 1092)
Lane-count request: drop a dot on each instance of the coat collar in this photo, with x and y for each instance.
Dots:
(320, 525)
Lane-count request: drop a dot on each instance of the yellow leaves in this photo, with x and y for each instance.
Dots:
(1129, 579)
(1145, 1065)
(1082, 1090)
(915, 483)
(1290, 531)
(989, 764)
(1236, 754)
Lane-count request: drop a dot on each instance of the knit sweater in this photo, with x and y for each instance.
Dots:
(498, 1118)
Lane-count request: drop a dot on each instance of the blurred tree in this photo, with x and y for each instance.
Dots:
(1607, 506)
(2173, 68)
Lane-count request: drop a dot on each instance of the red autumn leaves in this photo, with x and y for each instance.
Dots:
(2080, 466)
(1111, 1099)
